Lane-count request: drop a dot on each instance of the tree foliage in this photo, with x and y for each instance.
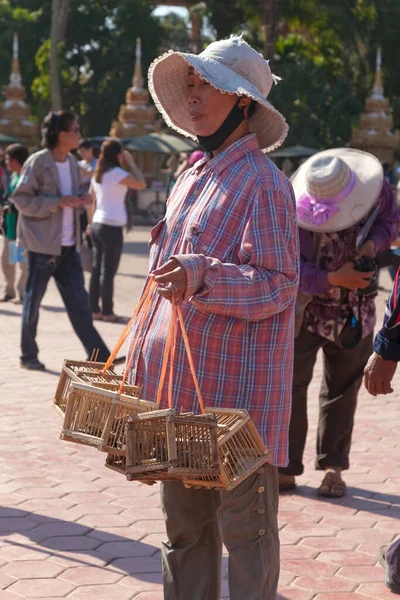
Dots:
(324, 50)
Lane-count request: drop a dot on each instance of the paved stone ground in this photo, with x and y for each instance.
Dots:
(71, 528)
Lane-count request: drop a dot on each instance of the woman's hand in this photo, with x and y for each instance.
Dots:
(88, 229)
(348, 277)
(174, 274)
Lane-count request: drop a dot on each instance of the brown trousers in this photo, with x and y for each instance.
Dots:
(341, 381)
(197, 523)
(9, 272)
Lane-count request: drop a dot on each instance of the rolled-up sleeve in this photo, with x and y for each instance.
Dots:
(27, 197)
(313, 279)
(265, 281)
(386, 226)
(387, 341)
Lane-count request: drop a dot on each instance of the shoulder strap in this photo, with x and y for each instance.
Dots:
(316, 255)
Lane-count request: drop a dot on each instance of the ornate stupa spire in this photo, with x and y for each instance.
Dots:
(375, 132)
(135, 117)
(15, 77)
(15, 112)
(138, 81)
(377, 90)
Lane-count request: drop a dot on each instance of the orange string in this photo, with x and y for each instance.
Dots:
(170, 345)
(146, 293)
(190, 359)
(172, 351)
(147, 307)
(169, 355)
(167, 349)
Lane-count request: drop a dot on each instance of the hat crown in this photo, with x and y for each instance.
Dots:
(327, 177)
(237, 55)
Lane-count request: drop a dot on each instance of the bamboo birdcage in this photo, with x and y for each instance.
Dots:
(117, 463)
(81, 370)
(217, 449)
(97, 417)
(241, 450)
(162, 445)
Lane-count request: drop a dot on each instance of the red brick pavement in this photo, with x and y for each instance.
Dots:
(71, 528)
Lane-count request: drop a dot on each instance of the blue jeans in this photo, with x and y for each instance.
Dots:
(67, 272)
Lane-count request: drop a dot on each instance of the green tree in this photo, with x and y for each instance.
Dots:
(175, 32)
(30, 20)
(319, 107)
(97, 59)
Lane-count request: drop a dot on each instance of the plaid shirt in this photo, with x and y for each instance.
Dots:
(230, 222)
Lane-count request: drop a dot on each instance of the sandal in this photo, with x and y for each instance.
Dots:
(332, 486)
(97, 316)
(389, 581)
(114, 319)
(287, 483)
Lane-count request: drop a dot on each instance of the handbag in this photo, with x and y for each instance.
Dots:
(16, 253)
(86, 253)
(303, 299)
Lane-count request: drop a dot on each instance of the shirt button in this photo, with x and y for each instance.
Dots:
(261, 489)
(261, 532)
(261, 511)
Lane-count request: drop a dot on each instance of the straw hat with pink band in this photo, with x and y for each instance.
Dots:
(336, 188)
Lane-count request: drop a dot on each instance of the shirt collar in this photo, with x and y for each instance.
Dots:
(229, 156)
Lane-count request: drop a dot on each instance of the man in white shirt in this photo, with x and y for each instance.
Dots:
(48, 197)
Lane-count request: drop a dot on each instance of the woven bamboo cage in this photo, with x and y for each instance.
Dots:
(241, 450)
(117, 461)
(78, 370)
(163, 445)
(97, 417)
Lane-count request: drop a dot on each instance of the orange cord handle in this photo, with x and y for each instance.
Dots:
(144, 299)
(190, 359)
(169, 353)
(146, 309)
(168, 343)
(144, 305)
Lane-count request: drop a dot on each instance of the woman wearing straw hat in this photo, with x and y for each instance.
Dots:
(227, 249)
(345, 212)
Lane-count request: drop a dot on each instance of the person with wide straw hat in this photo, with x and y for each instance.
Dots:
(228, 252)
(347, 214)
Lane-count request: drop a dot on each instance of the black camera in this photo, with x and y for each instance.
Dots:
(366, 265)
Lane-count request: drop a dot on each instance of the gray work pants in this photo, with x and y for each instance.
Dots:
(198, 521)
(341, 381)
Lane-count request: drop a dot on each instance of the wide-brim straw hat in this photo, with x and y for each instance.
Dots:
(336, 189)
(232, 67)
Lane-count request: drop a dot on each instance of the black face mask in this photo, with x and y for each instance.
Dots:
(210, 143)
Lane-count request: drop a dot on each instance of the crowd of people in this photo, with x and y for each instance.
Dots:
(49, 201)
(266, 271)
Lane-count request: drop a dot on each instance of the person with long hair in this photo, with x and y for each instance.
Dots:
(115, 172)
(48, 199)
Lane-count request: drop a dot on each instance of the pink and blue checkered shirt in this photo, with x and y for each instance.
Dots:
(230, 222)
